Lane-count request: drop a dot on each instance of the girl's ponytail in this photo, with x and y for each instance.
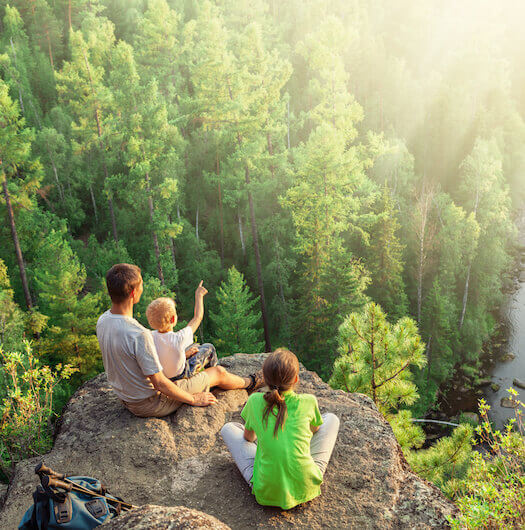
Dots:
(280, 374)
(274, 399)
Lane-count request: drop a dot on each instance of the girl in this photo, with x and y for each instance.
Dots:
(295, 442)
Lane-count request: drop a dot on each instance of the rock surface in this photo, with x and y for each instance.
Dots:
(519, 383)
(151, 517)
(508, 403)
(182, 460)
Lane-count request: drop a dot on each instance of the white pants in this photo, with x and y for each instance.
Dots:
(243, 451)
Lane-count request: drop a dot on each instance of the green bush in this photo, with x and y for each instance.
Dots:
(492, 495)
(27, 408)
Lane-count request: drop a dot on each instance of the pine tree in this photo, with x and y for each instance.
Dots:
(384, 260)
(59, 278)
(376, 357)
(20, 175)
(236, 320)
(150, 147)
(81, 88)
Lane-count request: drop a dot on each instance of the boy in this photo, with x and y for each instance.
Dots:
(180, 358)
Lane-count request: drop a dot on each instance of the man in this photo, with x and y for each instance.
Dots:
(132, 364)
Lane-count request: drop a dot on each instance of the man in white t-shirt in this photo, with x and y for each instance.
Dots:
(132, 364)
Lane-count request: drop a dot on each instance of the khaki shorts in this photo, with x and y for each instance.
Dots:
(160, 405)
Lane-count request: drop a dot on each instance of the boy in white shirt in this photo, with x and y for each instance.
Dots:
(179, 356)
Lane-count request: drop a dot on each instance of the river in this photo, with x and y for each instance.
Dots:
(504, 372)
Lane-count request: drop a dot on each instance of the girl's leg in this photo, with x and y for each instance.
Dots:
(323, 441)
(243, 452)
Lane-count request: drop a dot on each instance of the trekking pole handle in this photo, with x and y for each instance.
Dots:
(48, 481)
(42, 469)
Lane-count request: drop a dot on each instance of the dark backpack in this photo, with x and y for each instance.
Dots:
(55, 509)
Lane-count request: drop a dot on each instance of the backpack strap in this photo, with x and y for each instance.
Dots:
(40, 500)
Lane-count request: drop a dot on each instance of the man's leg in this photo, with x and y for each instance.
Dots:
(223, 379)
(323, 441)
(242, 450)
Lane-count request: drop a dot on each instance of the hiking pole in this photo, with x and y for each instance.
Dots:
(68, 485)
(51, 478)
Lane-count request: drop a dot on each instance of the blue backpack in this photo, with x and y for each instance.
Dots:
(62, 504)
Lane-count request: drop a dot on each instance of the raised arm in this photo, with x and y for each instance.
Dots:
(198, 311)
(161, 383)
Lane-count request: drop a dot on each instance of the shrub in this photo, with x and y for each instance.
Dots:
(493, 493)
(27, 407)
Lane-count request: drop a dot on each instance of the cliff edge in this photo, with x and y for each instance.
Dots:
(182, 460)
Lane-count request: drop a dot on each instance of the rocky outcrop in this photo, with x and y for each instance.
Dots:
(151, 517)
(181, 460)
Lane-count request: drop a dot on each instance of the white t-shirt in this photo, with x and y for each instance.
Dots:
(129, 356)
(171, 349)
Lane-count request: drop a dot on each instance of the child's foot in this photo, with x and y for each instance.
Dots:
(256, 383)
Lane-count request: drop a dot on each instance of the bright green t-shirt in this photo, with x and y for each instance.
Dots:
(284, 473)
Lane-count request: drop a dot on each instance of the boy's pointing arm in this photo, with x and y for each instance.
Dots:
(198, 312)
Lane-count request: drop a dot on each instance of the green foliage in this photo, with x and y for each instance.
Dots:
(407, 433)
(446, 462)
(27, 408)
(376, 356)
(235, 322)
(492, 495)
(12, 319)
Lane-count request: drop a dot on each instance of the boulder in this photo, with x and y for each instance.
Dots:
(182, 460)
(519, 383)
(508, 403)
(470, 417)
(495, 387)
(151, 517)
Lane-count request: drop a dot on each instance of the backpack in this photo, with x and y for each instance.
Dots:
(73, 509)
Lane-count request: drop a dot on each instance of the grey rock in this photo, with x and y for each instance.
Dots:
(471, 417)
(3, 493)
(508, 403)
(518, 383)
(182, 460)
(495, 387)
(151, 517)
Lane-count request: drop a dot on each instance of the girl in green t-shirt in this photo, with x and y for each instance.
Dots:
(285, 445)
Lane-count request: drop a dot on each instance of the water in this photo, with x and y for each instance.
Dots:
(505, 372)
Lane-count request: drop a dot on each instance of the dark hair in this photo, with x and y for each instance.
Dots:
(280, 370)
(121, 279)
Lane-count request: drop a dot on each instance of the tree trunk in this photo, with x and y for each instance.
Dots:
(172, 248)
(155, 238)
(16, 242)
(101, 144)
(288, 105)
(465, 292)
(94, 203)
(429, 357)
(50, 50)
(241, 234)
(197, 224)
(258, 263)
(221, 219)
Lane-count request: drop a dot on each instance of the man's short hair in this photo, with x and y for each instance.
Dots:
(121, 279)
(160, 312)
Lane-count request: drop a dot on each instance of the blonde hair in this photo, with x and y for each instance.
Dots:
(160, 312)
